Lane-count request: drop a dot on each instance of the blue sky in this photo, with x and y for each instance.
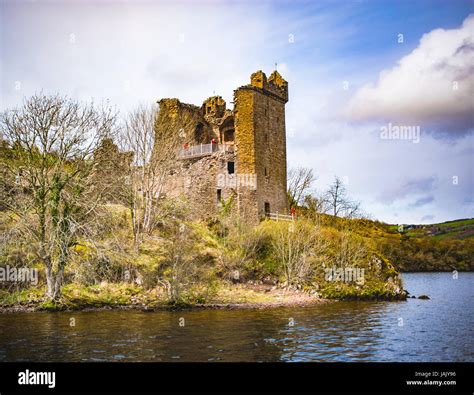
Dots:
(349, 76)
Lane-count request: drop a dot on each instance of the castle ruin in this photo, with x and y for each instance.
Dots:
(237, 154)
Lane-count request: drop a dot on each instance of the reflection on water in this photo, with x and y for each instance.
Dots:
(439, 329)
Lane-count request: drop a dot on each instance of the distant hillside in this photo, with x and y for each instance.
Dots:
(445, 246)
(457, 229)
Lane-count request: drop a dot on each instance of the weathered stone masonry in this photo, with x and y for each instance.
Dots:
(239, 154)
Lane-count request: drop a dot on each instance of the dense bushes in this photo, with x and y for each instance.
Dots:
(335, 262)
(189, 262)
(428, 254)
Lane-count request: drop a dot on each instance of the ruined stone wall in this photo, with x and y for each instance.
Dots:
(196, 180)
(183, 121)
(257, 125)
(111, 174)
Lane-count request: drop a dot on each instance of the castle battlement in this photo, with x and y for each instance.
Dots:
(274, 85)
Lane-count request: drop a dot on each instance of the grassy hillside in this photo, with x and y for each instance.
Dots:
(445, 246)
(224, 262)
(215, 263)
(457, 229)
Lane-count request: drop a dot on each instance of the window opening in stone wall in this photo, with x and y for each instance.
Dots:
(199, 133)
(267, 208)
(229, 136)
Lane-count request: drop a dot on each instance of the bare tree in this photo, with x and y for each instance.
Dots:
(243, 242)
(315, 204)
(143, 185)
(353, 210)
(337, 201)
(50, 141)
(112, 171)
(296, 246)
(350, 251)
(154, 143)
(181, 267)
(300, 181)
(180, 260)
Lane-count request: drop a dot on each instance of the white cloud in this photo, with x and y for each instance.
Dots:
(390, 177)
(421, 88)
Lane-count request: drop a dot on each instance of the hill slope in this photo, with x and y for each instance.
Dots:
(444, 246)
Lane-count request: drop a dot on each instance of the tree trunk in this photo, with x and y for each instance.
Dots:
(49, 281)
(54, 282)
(57, 284)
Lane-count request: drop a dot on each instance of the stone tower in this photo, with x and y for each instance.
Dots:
(260, 141)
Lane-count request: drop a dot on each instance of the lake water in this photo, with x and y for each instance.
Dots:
(439, 329)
